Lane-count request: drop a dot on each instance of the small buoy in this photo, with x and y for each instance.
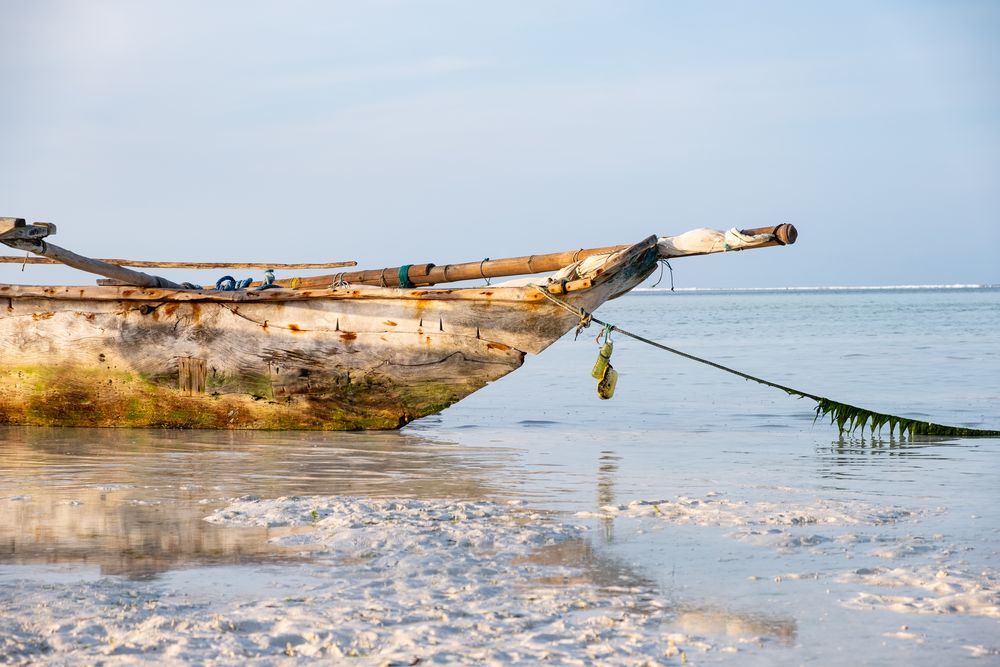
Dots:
(603, 360)
(606, 387)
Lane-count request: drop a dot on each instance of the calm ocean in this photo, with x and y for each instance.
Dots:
(699, 514)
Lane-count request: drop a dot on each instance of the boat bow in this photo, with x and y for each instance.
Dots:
(343, 356)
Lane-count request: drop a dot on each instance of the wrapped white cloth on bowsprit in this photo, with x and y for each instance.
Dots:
(700, 241)
(694, 242)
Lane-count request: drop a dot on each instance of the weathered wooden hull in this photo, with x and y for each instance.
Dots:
(336, 359)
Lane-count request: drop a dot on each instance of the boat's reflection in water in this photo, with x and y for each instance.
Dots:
(132, 503)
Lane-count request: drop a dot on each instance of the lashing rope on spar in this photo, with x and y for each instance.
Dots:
(483, 273)
(849, 418)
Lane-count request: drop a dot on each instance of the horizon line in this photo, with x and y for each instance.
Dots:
(956, 286)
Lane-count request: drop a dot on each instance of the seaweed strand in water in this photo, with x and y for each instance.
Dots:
(848, 418)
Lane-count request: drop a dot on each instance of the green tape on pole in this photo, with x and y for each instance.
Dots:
(404, 276)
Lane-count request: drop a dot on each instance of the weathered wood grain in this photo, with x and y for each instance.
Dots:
(14, 231)
(570, 286)
(8, 224)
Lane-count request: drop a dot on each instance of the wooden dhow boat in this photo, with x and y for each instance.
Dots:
(348, 351)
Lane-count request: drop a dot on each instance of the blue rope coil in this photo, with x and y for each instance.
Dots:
(229, 284)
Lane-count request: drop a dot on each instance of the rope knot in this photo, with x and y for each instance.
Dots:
(585, 320)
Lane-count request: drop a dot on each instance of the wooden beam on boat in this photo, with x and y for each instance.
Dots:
(11, 259)
(570, 286)
(31, 238)
(9, 224)
(421, 275)
(431, 274)
(15, 229)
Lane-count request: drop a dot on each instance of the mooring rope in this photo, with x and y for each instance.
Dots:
(848, 418)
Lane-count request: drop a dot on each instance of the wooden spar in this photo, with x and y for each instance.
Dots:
(82, 263)
(16, 234)
(431, 274)
(9, 259)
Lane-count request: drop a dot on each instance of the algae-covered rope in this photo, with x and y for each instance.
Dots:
(848, 418)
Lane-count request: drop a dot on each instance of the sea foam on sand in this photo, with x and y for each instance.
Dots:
(390, 581)
(845, 529)
(387, 582)
(714, 509)
(932, 591)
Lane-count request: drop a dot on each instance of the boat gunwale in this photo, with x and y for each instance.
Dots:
(131, 293)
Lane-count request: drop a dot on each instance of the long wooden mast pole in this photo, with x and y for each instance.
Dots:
(431, 274)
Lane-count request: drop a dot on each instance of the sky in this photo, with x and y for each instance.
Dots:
(409, 132)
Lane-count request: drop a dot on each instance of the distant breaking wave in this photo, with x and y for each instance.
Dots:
(834, 288)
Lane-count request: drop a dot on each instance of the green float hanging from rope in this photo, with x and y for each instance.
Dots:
(848, 418)
(604, 372)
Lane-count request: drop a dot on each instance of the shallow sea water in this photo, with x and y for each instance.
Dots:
(695, 518)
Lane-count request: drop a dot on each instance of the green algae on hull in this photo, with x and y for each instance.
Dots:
(90, 397)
